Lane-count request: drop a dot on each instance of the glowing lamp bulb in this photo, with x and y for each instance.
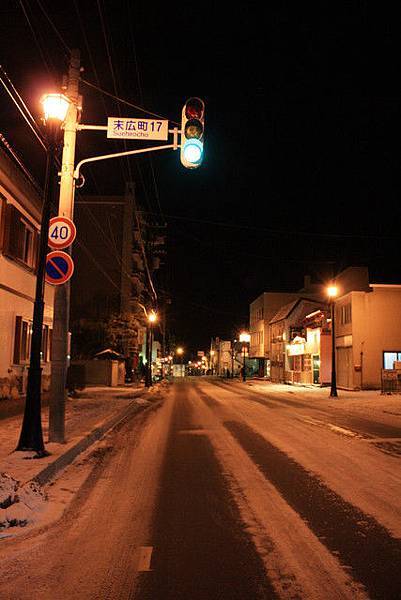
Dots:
(152, 317)
(193, 151)
(55, 106)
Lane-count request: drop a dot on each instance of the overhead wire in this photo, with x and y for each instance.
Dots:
(35, 37)
(19, 102)
(31, 121)
(56, 31)
(126, 102)
(16, 98)
(281, 232)
(114, 79)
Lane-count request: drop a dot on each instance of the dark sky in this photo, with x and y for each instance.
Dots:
(302, 152)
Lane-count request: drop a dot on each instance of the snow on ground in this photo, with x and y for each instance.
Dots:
(296, 562)
(371, 403)
(20, 504)
(23, 503)
(352, 467)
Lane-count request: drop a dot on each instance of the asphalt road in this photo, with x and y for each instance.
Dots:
(225, 494)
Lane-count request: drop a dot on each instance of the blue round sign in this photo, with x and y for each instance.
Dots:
(59, 267)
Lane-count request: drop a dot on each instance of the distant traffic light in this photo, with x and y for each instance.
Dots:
(192, 133)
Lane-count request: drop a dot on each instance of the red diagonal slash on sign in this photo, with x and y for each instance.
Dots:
(58, 271)
(55, 266)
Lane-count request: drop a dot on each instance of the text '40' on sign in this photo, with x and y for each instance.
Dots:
(62, 232)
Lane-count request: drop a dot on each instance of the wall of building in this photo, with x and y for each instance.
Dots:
(383, 330)
(375, 327)
(17, 277)
(257, 329)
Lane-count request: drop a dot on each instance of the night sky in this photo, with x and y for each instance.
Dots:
(302, 154)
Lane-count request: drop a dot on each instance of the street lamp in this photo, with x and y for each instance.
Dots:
(180, 351)
(244, 338)
(212, 361)
(31, 437)
(152, 318)
(332, 292)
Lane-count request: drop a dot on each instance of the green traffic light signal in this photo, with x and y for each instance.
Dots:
(192, 133)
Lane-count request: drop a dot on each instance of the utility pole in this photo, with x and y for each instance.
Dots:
(58, 392)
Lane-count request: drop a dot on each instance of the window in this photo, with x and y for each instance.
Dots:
(23, 340)
(20, 237)
(344, 313)
(296, 363)
(390, 357)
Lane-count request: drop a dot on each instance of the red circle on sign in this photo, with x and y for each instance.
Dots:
(62, 223)
(59, 267)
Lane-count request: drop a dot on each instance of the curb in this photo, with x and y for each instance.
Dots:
(47, 474)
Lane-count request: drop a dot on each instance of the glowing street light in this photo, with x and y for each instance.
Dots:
(152, 319)
(332, 292)
(55, 106)
(244, 338)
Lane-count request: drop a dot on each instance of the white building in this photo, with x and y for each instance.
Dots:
(20, 214)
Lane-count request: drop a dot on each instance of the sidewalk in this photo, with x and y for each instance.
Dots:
(94, 409)
(364, 402)
(89, 416)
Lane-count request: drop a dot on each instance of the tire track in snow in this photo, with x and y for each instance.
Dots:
(296, 561)
(359, 541)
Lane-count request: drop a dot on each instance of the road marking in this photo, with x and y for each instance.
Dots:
(144, 558)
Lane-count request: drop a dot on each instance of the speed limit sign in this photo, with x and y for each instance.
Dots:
(62, 232)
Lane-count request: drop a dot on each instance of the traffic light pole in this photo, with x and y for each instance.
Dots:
(69, 176)
(58, 395)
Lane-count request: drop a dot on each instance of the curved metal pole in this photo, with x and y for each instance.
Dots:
(118, 154)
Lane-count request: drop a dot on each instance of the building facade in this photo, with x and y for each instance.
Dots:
(293, 359)
(368, 335)
(20, 216)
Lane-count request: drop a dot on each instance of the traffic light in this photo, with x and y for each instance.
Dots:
(192, 133)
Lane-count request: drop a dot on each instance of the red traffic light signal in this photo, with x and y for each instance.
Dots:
(192, 133)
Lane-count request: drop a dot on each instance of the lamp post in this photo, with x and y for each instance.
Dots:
(244, 338)
(31, 436)
(152, 318)
(332, 292)
(180, 352)
(212, 361)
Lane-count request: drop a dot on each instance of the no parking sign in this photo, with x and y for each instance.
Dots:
(59, 267)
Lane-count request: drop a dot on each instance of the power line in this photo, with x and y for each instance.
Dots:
(22, 109)
(281, 232)
(123, 101)
(35, 37)
(56, 31)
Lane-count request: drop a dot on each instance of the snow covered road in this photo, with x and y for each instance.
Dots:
(228, 493)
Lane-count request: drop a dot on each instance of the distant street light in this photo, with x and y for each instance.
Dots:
(244, 338)
(152, 318)
(332, 292)
(180, 351)
(212, 361)
(31, 437)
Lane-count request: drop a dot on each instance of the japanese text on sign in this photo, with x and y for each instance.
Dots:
(145, 129)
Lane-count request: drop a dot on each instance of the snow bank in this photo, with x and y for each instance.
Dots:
(19, 504)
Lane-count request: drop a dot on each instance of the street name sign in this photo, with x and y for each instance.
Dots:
(137, 129)
(62, 232)
(59, 267)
